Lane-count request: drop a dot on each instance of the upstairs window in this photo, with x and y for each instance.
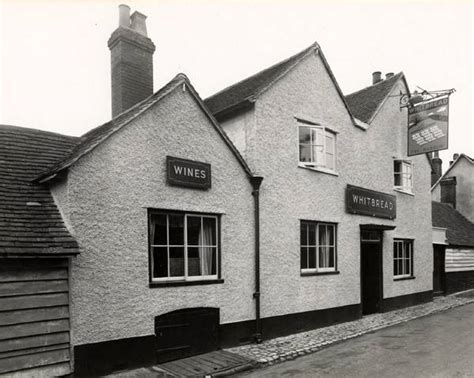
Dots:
(317, 147)
(318, 247)
(403, 175)
(183, 246)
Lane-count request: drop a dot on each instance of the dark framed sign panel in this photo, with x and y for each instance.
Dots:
(370, 202)
(188, 173)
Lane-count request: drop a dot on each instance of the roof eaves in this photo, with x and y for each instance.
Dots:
(382, 103)
(333, 79)
(64, 164)
(217, 127)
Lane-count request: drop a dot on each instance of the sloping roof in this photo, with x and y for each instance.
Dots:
(30, 222)
(93, 138)
(461, 156)
(460, 231)
(247, 90)
(365, 103)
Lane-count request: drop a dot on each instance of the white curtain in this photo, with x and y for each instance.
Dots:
(205, 252)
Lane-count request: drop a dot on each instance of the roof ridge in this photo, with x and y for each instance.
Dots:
(37, 131)
(373, 85)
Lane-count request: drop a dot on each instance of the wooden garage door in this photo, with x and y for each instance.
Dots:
(34, 317)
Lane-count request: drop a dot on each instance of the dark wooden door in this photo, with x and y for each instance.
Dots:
(371, 271)
(438, 269)
(186, 332)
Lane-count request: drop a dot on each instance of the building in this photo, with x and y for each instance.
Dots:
(456, 185)
(453, 212)
(153, 237)
(335, 169)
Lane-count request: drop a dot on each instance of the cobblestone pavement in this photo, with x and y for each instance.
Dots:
(290, 347)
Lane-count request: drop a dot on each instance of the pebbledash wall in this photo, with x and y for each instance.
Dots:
(104, 201)
(268, 139)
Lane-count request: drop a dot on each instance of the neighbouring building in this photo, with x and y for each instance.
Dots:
(182, 226)
(456, 185)
(453, 215)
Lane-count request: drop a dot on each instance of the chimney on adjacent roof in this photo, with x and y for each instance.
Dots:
(455, 156)
(448, 191)
(437, 163)
(376, 77)
(131, 54)
(389, 75)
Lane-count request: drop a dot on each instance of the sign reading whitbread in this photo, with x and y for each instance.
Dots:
(188, 173)
(369, 202)
(428, 126)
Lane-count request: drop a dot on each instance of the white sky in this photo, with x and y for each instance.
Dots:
(55, 63)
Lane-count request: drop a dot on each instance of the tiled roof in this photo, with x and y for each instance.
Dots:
(96, 136)
(30, 223)
(460, 230)
(365, 102)
(249, 88)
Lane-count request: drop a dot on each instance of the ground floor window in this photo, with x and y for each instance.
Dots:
(318, 247)
(402, 258)
(183, 246)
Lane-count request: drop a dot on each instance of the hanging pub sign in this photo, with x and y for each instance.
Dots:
(188, 173)
(369, 202)
(428, 126)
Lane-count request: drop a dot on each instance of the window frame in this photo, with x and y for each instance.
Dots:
(402, 256)
(185, 279)
(317, 270)
(403, 175)
(314, 164)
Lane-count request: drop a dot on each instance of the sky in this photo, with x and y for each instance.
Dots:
(55, 63)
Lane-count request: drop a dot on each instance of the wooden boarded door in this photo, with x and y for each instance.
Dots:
(371, 271)
(438, 269)
(34, 317)
(186, 332)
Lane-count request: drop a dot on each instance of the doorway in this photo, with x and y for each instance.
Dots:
(438, 269)
(186, 332)
(371, 271)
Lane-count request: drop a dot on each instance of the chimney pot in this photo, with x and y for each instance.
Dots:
(455, 156)
(389, 75)
(139, 23)
(376, 77)
(124, 16)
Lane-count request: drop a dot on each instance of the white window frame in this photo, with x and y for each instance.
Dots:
(317, 269)
(318, 164)
(406, 175)
(186, 277)
(402, 251)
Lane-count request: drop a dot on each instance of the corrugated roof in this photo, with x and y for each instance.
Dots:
(30, 222)
(365, 103)
(96, 136)
(460, 231)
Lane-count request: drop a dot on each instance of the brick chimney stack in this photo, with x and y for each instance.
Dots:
(448, 191)
(131, 61)
(437, 163)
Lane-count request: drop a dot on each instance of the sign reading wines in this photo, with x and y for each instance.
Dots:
(428, 126)
(369, 202)
(188, 173)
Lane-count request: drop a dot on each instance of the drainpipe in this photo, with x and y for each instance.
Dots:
(256, 181)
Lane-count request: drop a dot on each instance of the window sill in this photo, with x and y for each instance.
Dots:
(404, 278)
(322, 170)
(404, 192)
(184, 283)
(304, 274)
